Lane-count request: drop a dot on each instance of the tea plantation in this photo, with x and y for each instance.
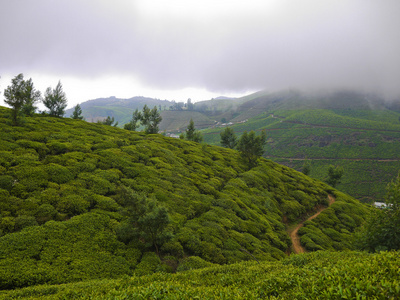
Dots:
(82, 202)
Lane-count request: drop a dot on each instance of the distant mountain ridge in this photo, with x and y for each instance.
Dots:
(121, 109)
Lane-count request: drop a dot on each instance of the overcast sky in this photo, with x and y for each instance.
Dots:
(179, 49)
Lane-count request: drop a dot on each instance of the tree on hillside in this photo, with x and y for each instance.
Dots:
(21, 96)
(108, 121)
(133, 124)
(251, 147)
(77, 113)
(306, 167)
(55, 100)
(228, 138)
(150, 119)
(147, 220)
(334, 175)
(191, 134)
(32, 96)
(382, 229)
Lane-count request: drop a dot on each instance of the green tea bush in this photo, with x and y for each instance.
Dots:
(192, 263)
(149, 264)
(6, 182)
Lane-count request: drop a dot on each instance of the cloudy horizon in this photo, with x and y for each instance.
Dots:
(199, 49)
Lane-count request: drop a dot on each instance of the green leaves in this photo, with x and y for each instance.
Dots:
(21, 96)
(251, 147)
(150, 119)
(228, 138)
(56, 100)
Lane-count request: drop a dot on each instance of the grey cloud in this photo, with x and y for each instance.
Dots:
(302, 44)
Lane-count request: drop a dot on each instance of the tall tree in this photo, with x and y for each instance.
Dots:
(228, 138)
(147, 220)
(77, 113)
(191, 134)
(334, 175)
(381, 231)
(151, 119)
(133, 124)
(32, 96)
(251, 147)
(21, 96)
(55, 100)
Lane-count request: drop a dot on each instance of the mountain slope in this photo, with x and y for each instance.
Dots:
(121, 109)
(356, 131)
(65, 211)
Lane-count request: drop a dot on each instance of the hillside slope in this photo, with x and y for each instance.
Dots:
(66, 192)
(318, 275)
(358, 132)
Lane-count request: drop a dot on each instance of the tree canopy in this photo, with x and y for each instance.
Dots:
(382, 230)
(21, 96)
(251, 147)
(149, 118)
(77, 113)
(191, 134)
(55, 100)
(334, 175)
(228, 138)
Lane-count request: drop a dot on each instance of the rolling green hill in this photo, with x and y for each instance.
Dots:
(351, 129)
(356, 131)
(317, 275)
(82, 201)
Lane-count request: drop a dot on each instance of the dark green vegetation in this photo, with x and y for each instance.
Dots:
(357, 132)
(55, 100)
(68, 192)
(318, 275)
(22, 98)
(382, 231)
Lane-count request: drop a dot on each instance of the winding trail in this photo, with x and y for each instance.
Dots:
(297, 247)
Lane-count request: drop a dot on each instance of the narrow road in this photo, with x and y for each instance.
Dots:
(297, 247)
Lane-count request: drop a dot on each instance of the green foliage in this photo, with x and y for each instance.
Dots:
(191, 200)
(191, 134)
(108, 121)
(149, 264)
(147, 220)
(334, 228)
(192, 263)
(306, 168)
(228, 138)
(77, 113)
(334, 175)
(319, 275)
(251, 147)
(381, 231)
(56, 101)
(362, 140)
(133, 124)
(150, 119)
(79, 249)
(21, 96)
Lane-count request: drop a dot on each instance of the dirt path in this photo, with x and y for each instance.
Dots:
(297, 247)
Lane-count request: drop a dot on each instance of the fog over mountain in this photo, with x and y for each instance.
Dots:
(218, 46)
